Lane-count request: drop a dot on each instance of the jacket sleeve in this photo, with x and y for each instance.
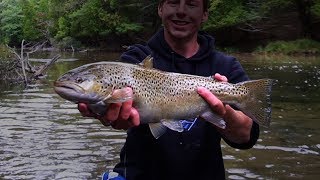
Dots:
(254, 135)
(237, 74)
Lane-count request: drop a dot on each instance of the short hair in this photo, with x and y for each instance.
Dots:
(205, 4)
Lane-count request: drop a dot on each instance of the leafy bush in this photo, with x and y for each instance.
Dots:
(68, 42)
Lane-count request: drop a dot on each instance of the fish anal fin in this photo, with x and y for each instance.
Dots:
(147, 62)
(214, 119)
(174, 125)
(157, 129)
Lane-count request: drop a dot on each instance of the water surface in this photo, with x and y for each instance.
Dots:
(44, 137)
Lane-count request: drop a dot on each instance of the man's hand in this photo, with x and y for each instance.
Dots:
(238, 125)
(118, 115)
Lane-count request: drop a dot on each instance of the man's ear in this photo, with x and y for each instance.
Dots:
(205, 16)
(160, 10)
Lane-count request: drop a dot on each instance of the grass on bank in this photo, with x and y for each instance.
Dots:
(300, 46)
(5, 54)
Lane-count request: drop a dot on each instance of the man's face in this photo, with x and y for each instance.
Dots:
(182, 18)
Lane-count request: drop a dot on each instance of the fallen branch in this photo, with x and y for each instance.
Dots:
(44, 68)
(22, 64)
(21, 69)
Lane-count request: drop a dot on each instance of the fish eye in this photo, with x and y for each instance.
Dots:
(79, 80)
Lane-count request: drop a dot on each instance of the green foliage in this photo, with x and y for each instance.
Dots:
(23, 19)
(30, 33)
(10, 21)
(226, 13)
(68, 42)
(267, 7)
(315, 9)
(291, 47)
(63, 28)
(5, 53)
(96, 20)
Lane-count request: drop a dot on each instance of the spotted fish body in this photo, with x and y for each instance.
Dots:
(162, 98)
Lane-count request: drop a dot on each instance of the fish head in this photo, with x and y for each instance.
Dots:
(84, 84)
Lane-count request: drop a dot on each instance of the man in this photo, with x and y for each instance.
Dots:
(196, 152)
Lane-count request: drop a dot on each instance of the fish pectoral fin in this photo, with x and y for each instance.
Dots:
(214, 119)
(157, 129)
(147, 62)
(98, 108)
(174, 125)
(119, 96)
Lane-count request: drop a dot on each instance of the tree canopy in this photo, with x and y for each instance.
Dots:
(91, 21)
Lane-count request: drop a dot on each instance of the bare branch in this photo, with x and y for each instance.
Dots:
(36, 47)
(29, 65)
(250, 29)
(22, 63)
(42, 70)
(22, 68)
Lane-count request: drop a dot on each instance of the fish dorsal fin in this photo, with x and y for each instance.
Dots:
(174, 125)
(147, 62)
(211, 78)
(157, 129)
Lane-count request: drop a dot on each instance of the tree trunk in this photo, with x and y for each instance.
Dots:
(304, 10)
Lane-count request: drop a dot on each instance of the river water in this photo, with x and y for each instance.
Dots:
(43, 136)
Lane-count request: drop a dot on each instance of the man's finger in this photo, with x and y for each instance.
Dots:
(134, 117)
(230, 114)
(83, 108)
(113, 111)
(215, 104)
(125, 110)
(220, 77)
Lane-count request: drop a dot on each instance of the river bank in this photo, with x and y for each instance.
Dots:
(299, 47)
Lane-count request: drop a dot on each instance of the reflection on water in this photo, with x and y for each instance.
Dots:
(43, 136)
(290, 147)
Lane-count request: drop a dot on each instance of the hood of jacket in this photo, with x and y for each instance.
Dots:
(168, 60)
(158, 44)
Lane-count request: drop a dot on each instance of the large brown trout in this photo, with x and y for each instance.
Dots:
(162, 98)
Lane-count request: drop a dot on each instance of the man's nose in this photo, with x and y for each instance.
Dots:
(181, 9)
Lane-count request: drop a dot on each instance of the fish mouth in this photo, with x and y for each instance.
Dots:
(75, 93)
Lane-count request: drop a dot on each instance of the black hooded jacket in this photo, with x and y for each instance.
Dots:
(193, 154)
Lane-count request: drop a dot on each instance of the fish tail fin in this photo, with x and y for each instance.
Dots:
(257, 103)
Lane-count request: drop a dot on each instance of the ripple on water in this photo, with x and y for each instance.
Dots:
(237, 173)
(44, 137)
(300, 150)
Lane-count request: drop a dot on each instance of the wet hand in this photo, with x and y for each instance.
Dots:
(238, 125)
(118, 115)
